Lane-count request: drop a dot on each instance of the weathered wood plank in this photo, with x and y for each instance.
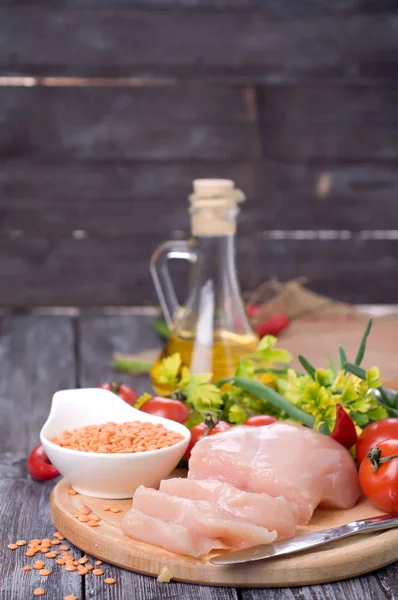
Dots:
(99, 338)
(51, 201)
(202, 122)
(95, 272)
(37, 359)
(329, 122)
(351, 589)
(113, 43)
(272, 8)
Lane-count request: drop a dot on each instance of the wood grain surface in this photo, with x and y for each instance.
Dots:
(119, 106)
(40, 354)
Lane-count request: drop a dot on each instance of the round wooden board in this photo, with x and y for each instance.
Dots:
(340, 560)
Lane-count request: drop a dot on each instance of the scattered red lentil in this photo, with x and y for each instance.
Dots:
(93, 523)
(89, 567)
(27, 568)
(94, 517)
(64, 547)
(109, 580)
(44, 572)
(84, 518)
(98, 572)
(21, 542)
(106, 508)
(39, 564)
(115, 509)
(85, 510)
(98, 563)
(58, 535)
(70, 597)
(70, 568)
(60, 561)
(55, 542)
(39, 592)
(12, 546)
(71, 492)
(120, 438)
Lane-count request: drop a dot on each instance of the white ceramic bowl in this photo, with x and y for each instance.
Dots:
(113, 476)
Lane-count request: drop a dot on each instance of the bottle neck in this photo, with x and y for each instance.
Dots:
(215, 295)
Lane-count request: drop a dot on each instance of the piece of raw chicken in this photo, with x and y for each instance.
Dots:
(217, 528)
(282, 459)
(260, 509)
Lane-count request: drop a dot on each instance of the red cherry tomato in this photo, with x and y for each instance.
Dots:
(272, 326)
(259, 420)
(39, 466)
(252, 309)
(380, 486)
(198, 432)
(167, 408)
(125, 392)
(373, 434)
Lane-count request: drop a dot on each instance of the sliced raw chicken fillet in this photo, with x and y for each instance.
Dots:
(171, 536)
(282, 459)
(261, 509)
(202, 518)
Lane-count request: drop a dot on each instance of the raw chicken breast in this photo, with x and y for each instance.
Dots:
(202, 518)
(282, 459)
(261, 509)
(171, 536)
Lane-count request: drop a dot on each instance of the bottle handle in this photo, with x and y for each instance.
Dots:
(181, 249)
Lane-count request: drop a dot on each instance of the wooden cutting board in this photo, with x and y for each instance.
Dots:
(340, 560)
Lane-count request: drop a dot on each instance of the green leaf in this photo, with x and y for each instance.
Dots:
(342, 357)
(266, 393)
(362, 346)
(199, 378)
(373, 377)
(131, 366)
(161, 327)
(360, 419)
(203, 397)
(267, 353)
(169, 369)
(307, 366)
(245, 368)
(361, 373)
(332, 366)
(324, 428)
(236, 414)
(141, 400)
(323, 377)
(266, 343)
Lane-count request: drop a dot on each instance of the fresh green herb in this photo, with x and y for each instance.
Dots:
(362, 346)
(131, 366)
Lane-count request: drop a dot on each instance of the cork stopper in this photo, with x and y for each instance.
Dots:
(214, 207)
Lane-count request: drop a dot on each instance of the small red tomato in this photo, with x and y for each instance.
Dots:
(167, 408)
(379, 479)
(198, 432)
(252, 309)
(373, 434)
(259, 420)
(272, 326)
(39, 465)
(125, 392)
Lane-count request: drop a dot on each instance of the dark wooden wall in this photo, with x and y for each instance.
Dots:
(109, 109)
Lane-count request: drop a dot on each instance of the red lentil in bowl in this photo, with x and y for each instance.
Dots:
(118, 438)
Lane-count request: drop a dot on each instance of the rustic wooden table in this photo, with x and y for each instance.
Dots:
(40, 354)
